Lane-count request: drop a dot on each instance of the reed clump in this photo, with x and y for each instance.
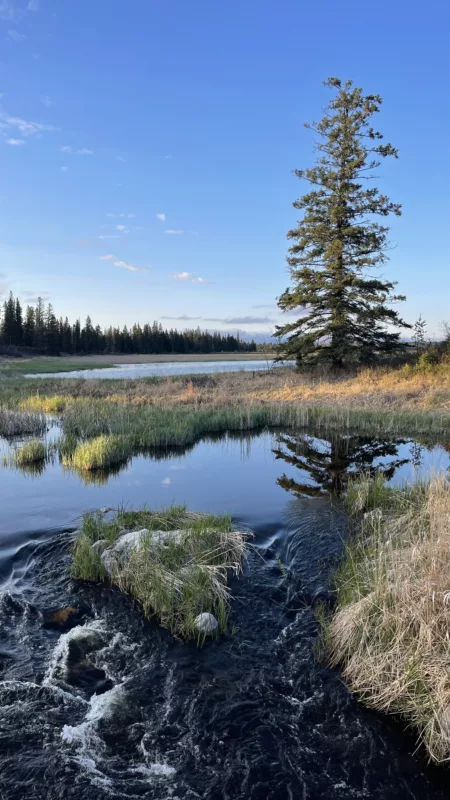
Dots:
(101, 452)
(173, 578)
(391, 630)
(16, 423)
(30, 453)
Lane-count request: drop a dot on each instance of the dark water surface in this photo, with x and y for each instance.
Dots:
(251, 716)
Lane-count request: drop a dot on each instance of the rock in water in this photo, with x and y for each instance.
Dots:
(206, 623)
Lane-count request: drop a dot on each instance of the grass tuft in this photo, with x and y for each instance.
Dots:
(16, 423)
(390, 632)
(174, 580)
(30, 453)
(101, 452)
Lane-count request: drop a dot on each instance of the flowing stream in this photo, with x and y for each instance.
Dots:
(254, 716)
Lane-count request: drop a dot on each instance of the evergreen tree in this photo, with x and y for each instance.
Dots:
(39, 325)
(18, 323)
(9, 320)
(52, 332)
(76, 337)
(337, 243)
(28, 328)
(419, 334)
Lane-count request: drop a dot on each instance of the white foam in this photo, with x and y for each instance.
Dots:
(157, 770)
(58, 661)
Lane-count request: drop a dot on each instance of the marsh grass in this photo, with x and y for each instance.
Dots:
(30, 453)
(101, 452)
(16, 423)
(53, 404)
(390, 632)
(174, 580)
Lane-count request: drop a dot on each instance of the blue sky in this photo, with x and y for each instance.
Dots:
(147, 149)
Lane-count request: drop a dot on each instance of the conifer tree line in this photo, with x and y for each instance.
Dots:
(38, 327)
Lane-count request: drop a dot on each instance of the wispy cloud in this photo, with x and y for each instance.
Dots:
(15, 36)
(122, 228)
(122, 215)
(172, 232)
(113, 236)
(83, 151)
(188, 277)
(47, 101)
(248, 320)
(166, 481)
(15, 142)
(123, 264)
(33, 5)
(24, 127)
(121, 158)
(161, 217)
(64, 169)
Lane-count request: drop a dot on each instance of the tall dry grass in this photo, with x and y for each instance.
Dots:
(391, 630)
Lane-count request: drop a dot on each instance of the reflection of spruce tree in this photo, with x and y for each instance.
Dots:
(329, 464)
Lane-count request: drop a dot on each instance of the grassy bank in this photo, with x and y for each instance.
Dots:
(176, 576)
(390, 632)
(36, 366)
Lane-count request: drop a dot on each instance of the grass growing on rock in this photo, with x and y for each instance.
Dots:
(174, 578)
(390, 632)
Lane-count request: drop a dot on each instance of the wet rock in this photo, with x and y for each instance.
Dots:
(206, 623)
(62, 619)
(120, 552)
(104, 686)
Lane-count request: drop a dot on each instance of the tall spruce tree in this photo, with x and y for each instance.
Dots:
(343, 310)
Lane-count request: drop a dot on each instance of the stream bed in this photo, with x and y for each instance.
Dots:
(254, 716)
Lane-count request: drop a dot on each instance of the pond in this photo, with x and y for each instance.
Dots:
(165, 368)
(252, 716)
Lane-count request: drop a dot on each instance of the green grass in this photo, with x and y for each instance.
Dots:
(176, 580)
(36, 366)
(100, 452)
(30, 452)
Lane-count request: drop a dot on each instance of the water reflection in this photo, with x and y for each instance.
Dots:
(325, 466)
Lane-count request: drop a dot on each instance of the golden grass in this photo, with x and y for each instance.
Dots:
(391, 630)
(382, 388)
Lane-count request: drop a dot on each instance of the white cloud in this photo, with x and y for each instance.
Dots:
(161, 217)
(24, 127)
(123, 264)
(33, 5)
(15, 142)
(16, 36)
(172, 232)
(188, 277)
(108, 237)
(122, 228)
(83, 151)
(47, 101)
(166, 481)
(8, 11)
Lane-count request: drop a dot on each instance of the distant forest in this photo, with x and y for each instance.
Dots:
(38, 327)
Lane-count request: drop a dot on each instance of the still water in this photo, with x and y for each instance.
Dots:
(166, 368)
(253, 716)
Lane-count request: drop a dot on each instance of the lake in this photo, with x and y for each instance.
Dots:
(253, 716)
(165, 368)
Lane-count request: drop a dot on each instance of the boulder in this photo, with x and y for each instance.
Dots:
(206, 623)
(121, 550)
